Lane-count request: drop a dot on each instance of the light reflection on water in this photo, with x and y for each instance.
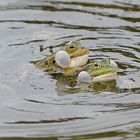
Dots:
(34, 104)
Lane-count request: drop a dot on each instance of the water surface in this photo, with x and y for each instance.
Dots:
(38, 106)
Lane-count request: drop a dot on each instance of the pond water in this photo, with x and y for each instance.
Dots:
(36, 105)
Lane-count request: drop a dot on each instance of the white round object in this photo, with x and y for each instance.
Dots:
(62, 59)
(113, 64)
(84, 77)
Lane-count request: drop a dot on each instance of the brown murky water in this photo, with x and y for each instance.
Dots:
(37, 106)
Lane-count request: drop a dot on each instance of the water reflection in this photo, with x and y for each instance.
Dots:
(69, 85)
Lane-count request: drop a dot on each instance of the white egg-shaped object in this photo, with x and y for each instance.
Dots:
(113, 64)
(84, 77)
(62, 59)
